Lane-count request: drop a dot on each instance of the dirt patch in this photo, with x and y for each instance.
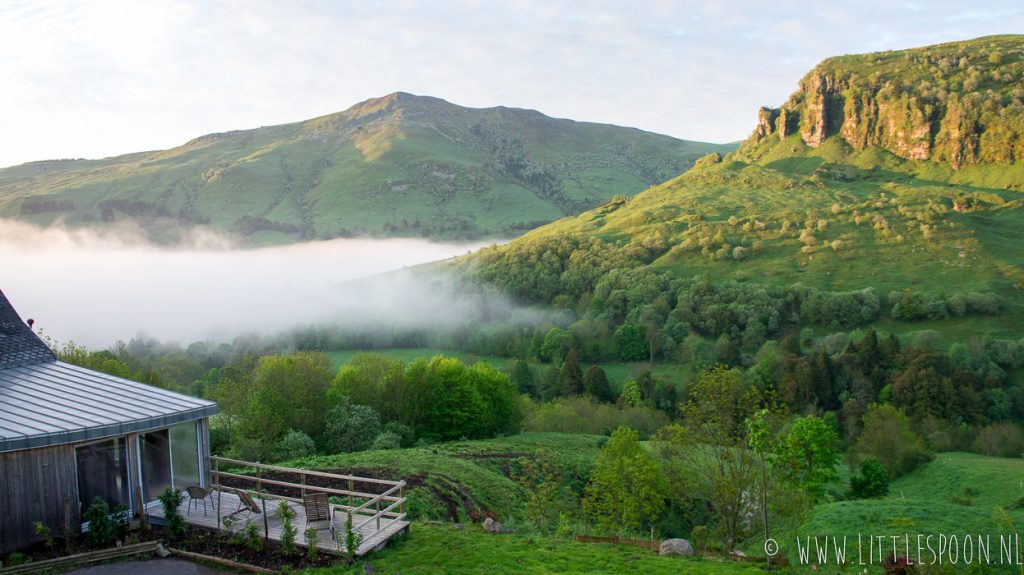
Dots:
(270, 555)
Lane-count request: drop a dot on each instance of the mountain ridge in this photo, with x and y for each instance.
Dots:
(397, 165)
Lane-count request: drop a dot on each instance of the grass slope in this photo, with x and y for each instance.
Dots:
(956, 494)
(431, 549)
(467, 480)
(400, 165)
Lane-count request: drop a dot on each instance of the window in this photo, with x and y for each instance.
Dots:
(169, 457)
(103, 472)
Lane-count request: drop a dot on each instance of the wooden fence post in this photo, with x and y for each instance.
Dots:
(263, 499)
(216, 485)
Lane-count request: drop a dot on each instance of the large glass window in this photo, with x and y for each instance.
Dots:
(185, 455)
(169, 457)
(155, 452)
(103, 472)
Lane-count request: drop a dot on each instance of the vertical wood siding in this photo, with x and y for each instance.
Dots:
(33, 486)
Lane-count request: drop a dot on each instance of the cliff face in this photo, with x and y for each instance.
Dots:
(961, 103)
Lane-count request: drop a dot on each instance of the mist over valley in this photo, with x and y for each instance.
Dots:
(95, 287)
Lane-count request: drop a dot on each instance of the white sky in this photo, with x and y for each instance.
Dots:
(95, 79)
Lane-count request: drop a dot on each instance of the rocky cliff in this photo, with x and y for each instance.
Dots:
(961, 103)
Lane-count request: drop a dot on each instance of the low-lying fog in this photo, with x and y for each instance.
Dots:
(97, 287)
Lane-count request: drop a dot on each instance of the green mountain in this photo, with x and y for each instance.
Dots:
(898, 171)
(401, 165)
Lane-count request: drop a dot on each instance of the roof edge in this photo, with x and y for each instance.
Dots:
(112, 430)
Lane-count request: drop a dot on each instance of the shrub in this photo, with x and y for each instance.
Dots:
(174, 523)
(294, 445)
(587, 415)
(627, 487)
(1000, 440)
(41, 530)
(312, 544)
(288, 530)
(102, 530)
(252, 538)
(387, 440)
(406, 434)
(15, 559)
(353, 538)
(887, 436)
(871, 481)
(351, 428)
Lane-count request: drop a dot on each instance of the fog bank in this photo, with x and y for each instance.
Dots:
(97, 287)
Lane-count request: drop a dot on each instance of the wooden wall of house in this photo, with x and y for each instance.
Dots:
(34, 484)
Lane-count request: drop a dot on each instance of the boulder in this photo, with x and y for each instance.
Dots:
(675, 547)
(492, 526)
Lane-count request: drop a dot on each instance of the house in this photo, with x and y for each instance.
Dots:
(69, 434)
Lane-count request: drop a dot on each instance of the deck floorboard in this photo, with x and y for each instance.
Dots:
(206, 518)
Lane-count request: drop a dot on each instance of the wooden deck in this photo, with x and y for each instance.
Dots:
(373, 539)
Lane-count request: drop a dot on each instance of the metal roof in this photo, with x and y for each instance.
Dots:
(54, 403)
(19, 345)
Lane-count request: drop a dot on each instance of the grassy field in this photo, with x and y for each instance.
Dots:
(956, 494)
(437, 549)
(400, 165)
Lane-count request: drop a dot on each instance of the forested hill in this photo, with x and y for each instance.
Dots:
(400, 165)
(889, 188)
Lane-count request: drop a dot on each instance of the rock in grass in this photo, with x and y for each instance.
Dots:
(675, 547)
(492, 526)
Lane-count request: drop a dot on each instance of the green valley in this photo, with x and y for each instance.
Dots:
(818, 333)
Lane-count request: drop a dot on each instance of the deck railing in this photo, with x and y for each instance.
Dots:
(381, 507)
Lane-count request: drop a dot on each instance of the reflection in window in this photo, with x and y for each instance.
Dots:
(185, 454)
(103, 472)
(155, 452)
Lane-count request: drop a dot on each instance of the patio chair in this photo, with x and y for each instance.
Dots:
(195, 495)
(319, 514)
(246, 505)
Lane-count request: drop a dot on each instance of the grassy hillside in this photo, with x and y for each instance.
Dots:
(957, 493)
(835, 213)
(467, 480)
(401, 165)
(431, 549)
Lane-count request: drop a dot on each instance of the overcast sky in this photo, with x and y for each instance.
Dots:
(95, 79)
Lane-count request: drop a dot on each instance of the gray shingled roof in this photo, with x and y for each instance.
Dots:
(18, 344)
(48, 402)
